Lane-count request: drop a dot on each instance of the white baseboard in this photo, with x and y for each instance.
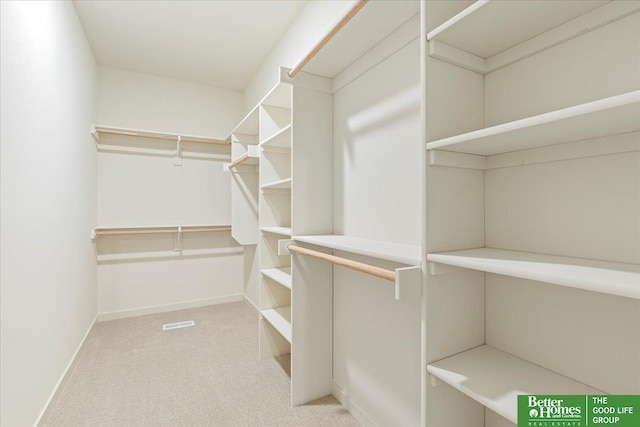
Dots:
(67, 370)
(251, 303)
(168, 307)
(350, 406)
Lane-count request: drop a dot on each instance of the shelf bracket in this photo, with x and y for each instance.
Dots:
(283, 247)
(408, 283)
(178, 243)
(93, 234)
(177, 159)
(433, 381)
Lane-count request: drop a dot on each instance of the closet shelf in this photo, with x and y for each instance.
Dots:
(100, 129)
(281, 139)
(283, 231)
(495, 379)
(249, 158)
(281, 275)
(483, 37)
(280, 319)
(248, 125)
(278, 185)
(609, 116)
(396, 252)
(157, 229)
(598, 276)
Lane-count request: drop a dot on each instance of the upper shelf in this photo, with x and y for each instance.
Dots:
(495, 379)
(404, 254)
(492, 34)
(372, 24)
(608, 116)
(283, 184)
(599, 276)
(100, 129)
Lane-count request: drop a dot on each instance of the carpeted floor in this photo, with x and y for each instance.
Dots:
(131, 373)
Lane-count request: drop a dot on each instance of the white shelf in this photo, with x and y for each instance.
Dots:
(495, 379)
(598, 276)
(248, 125)
(140, 133)
(278, 185)
(281, 275)
(404, 254)
(281, 139)
(284, 231)
(609, 116)
(483, 36)
(280, 319)
(115, 230)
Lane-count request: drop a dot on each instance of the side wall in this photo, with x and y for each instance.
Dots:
(142, 274)
(48, 202)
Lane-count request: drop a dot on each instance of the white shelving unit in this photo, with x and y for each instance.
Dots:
(541, 196)
(482, 37)
(598, 276)
(281, 184)
(495, 379)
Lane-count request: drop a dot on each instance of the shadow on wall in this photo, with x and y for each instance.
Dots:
(162, 247)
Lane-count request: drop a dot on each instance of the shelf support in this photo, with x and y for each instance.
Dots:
(177, 159)
(178, 243)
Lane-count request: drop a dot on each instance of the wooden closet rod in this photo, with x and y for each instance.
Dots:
(238, 161)
(160, 230)
(334, 30)
(354, 265)
(154, 135)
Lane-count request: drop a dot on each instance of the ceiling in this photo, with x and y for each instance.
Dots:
(218, 43)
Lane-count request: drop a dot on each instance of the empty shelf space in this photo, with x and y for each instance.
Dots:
(281, 275)
(284, 231)
(599, 276)
(482, 37)
(495, 379)
(404, 254)
(278, 185)
(281, 139)
(609, 116)
(249, 124)
(280, 319)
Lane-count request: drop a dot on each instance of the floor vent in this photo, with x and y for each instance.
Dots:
(177, 325)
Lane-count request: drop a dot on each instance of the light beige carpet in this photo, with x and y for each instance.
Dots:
(131, 373)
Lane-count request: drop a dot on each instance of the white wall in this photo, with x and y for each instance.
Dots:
(376, 184)
(48, 201)
(139, 185)
(313, 22)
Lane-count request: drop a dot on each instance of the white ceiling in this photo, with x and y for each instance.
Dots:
(218, 43)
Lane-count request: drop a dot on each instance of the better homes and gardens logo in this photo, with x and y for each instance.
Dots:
(578, 410)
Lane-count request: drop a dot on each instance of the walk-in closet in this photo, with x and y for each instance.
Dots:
(319, 213)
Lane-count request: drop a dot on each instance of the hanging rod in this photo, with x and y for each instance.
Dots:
(334, 30)
(240, 160)
(156, 135)
(160, 230)
(354, 265)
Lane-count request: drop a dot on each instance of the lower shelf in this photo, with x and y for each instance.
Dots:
(280, 319)
(495, 379)
(280, 275)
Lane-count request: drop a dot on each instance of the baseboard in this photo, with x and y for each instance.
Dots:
(353, 409)
(251, 303)
(66, 372)
(168, 307)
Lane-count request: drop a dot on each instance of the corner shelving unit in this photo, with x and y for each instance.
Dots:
(548, 204)
(274, 139)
